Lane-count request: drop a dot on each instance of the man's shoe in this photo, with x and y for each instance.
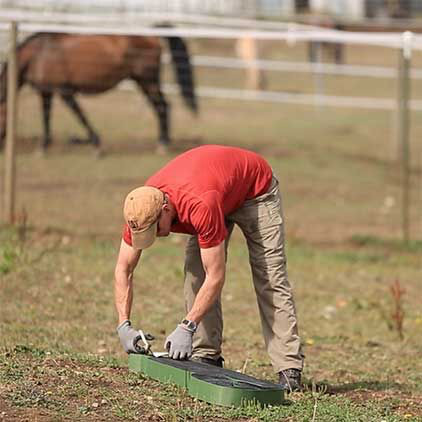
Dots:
(215, 362)
(289, 379)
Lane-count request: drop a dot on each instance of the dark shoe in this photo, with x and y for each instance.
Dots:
(289, 379)
(215, 362)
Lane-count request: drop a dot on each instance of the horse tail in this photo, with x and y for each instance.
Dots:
(3, 82)
(183, 70)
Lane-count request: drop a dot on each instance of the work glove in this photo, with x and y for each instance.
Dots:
(179, 343)
(129, 338)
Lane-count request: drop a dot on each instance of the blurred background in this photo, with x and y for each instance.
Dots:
(316, 75)
(328, 91)
(273, 9)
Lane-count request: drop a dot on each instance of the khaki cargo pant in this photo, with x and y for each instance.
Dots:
(261, 221)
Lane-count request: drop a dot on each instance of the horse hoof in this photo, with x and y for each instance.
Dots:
(162, 149)
(99, 153)
(40, 153)
(78, 141)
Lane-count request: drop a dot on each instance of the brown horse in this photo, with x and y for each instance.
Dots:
(68, 64)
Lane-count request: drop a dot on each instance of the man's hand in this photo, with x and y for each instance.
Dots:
(129, 337)
(179, 343)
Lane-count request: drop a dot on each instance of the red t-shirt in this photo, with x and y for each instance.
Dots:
(207, 183)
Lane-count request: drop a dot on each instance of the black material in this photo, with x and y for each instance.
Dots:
(215, 362)
(219, 376)
(290, 379)
(190, 325)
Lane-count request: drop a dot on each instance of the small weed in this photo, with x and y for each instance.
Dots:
(83, 410)
(34, 351)
(398, 314)
(22, 226)
(8, 258)
(11, 250)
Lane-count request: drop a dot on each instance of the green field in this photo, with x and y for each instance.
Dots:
(60, 358)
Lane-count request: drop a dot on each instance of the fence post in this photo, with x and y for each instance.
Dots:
(9, 154)
(247, 49)
(318, 75)
(405, 54)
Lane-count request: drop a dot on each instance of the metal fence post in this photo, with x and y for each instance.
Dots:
(9, 155)
(405, 54)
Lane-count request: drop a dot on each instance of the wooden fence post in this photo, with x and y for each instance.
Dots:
(405, 54)
(9, 154)
(247, 49)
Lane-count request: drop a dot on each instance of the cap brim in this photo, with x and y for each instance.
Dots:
(145, 238)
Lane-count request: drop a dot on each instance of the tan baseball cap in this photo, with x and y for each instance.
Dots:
(141, 211)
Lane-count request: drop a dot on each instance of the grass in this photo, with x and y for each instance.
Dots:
(58, 328)
(59, 385)
(60, 358)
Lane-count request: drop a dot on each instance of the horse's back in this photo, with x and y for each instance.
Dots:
(144, 55)
(85, 63)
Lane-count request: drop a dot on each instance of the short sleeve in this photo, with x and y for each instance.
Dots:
(208, 220)
(127, 235)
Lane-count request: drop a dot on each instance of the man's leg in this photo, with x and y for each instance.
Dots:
(261, 221)
(208, 337)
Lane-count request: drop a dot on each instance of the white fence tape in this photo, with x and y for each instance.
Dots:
(385, 39)
(122, 19)
(289, 66)
(289, 98)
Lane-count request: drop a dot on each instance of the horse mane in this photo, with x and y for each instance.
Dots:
(32, 37)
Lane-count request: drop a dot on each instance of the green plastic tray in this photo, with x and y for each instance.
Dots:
(209, 383)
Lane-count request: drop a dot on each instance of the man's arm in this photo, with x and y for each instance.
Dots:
(123, 289)
(214, 263)
(179, 342)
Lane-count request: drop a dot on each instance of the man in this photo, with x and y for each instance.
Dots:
(204, 192)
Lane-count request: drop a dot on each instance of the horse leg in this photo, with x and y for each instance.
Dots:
(161, 108)
(312, 54)
(46, 98)
(70, 101)
(338, 53)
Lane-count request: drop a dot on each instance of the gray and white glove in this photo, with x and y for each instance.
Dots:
(179, 343)
(129, 338)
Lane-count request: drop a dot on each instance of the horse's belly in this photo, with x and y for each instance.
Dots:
(88, 82)
(94, 82)
(94, 86)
